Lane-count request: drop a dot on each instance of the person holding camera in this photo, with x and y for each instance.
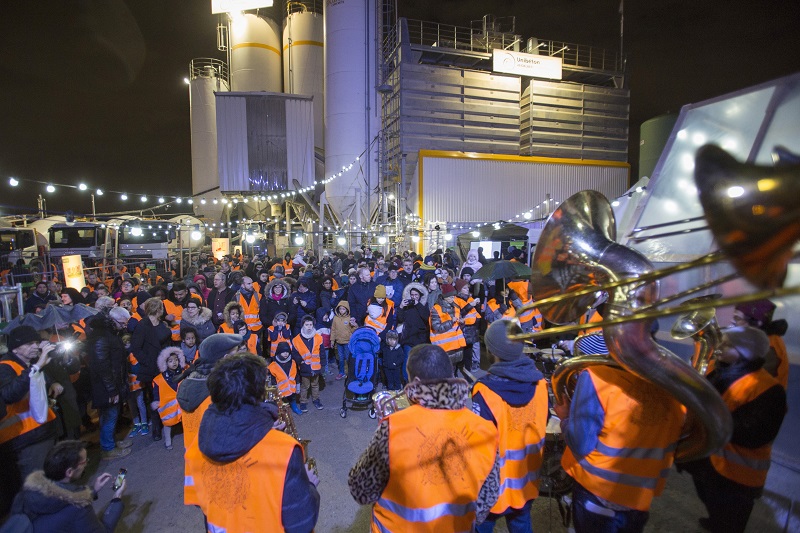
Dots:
(24, 442)
(51, 499)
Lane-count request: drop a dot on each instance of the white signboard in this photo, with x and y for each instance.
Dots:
(73, 271)
(231, 6)
(220, 247)
(531, 65)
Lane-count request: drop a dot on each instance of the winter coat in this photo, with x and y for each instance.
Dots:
(299, 310)
(147, 342)
(414, 318)
(357, 296)
(392, 357)
(202, 323)
(106, 359)
(56, 507)
(341, 329)
(471, 262)
(269, 307)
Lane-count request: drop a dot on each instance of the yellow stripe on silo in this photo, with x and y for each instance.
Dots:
(256, 45)
(304, 43)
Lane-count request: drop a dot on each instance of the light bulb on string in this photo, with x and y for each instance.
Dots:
(51, 188)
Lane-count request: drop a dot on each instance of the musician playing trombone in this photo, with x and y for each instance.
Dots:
(513, 396)
(433, 466)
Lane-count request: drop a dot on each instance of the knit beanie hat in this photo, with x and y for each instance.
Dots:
(460, 284)
(215, 346)
(467, 270)
(751, 343)
(498, 343)
(283, 346)
(380, 292)
(758, 311)
(448, 290)
(22, 335)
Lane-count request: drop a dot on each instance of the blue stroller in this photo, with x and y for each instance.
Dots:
(363, 372)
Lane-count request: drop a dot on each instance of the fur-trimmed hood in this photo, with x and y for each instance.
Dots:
(203, 317)
(420, 287)
(164, 355)
(287, 289)
(52, 496)
(226, 313)
(451, 393)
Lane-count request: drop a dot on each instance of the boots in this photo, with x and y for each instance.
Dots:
(296, 410)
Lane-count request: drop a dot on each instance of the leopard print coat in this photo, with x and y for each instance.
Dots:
(370, 475)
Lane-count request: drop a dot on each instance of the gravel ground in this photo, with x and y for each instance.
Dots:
(154, 498)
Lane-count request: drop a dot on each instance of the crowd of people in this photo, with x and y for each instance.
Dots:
(197, 350)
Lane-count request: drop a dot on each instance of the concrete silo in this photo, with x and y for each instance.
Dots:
(255, 53)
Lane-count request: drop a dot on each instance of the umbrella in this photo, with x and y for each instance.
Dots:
(503, 269)
(57, 316)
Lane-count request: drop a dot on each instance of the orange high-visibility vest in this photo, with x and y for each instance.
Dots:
(782, 372)
(587, 318)
(452, 339)
(250, 310)
(288, 267)
(287, 384)
(379, 324)
(133, 379)
(636, 446)
(311, 357)
(473, 315)
(244, 495)
(168, 408)
(494, 306)
(252, 343)
(191, 425)
(438, 461)
(273, 344)
(177, 311)
(531, 316)
(522, 434)
(18, 419)
(746, 466)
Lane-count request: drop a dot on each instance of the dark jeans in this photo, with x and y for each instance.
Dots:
(406, 351)
(147, 391)
(393, 378)
(591, 516)
(517, 520)
(344, 354)
(108, 423)
(728, 508)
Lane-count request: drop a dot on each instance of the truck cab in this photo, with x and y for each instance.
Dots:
(22, 243)
(151, 241)
(90, 240)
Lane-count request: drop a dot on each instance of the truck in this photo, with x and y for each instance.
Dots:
(90, 240)
(21, 243)
(146, 240)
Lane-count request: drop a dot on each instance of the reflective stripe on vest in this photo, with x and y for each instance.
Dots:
(288, 267)
(250, 311)
(438, 461)
(635, 448)
(746, 466)
(378, 324)
(273, 343)
(452, 339)
(232, 495)
(18, 419)
(168, 408)
(521, 445)
(287, 384)
(311, 358)
(472, 316)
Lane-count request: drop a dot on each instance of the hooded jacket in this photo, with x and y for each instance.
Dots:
(171, 377)
(341, 329)
(414, 318)
(56, 507)
(226, 314)
(357, 296)
(269, 306)
(226, 436)
(202, 323)
(471, 262)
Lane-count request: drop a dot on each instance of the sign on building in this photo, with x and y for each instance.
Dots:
(530, 65)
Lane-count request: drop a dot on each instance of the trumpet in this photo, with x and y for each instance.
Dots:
(387, 402)
(285, 416)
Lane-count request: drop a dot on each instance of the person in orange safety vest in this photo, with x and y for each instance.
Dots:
(530, 320)
(731, 479)
(245, 474)
(758, 314)
(432, 466)
(621, 433)
(513, 396)
(284, 372)
(306, 351)
(24, 441)
(171, 363)
(445, 325)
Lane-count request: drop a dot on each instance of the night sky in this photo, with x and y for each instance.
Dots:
(94, 92)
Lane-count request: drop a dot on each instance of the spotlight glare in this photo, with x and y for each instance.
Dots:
(124, 197)
(82, 186)
(50, 188)
(13, 182)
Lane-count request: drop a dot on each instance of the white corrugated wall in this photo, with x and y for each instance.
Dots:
(485, 188)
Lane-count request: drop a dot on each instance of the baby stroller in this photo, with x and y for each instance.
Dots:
(363, 372)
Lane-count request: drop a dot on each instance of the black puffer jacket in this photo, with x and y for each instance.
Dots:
(106, 358)
(414, 318)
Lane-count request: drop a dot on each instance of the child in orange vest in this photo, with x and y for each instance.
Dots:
(189, 344)
(284, 369)
(278, 332)
(171, 363)
(306, 347)
(250, 338)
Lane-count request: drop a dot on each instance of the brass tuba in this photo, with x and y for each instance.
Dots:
(388, 402)
(285, 416)
(702, 327)
(577, 251)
